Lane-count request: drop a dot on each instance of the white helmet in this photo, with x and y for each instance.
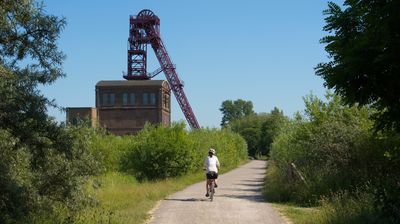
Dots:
(212, 151)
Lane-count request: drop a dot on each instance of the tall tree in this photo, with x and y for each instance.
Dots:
(41, 163)
(233, 110)
(364, 46)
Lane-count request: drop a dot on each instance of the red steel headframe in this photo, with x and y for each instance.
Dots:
(145, 29)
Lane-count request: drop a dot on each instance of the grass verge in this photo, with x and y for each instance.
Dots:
(122, 199)
(299, 215)
(340, 208)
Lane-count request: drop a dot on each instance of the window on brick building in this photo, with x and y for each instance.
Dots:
(152, 99)
(104, 99)
(132, 99)
(145, 99)
(112, 99)
(125, 99)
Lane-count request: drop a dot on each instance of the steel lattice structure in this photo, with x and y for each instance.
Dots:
(145, 29)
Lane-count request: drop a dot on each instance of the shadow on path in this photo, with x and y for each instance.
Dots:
(255, 198)
(186, 199)
(258, 185)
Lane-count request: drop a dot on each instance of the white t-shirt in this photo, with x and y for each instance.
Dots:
(211, 163)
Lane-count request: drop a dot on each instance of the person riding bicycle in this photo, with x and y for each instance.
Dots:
(211, 164)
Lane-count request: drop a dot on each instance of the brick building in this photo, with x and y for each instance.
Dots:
(76, 115)
(123, 107)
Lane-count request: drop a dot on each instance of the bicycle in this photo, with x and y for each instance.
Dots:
(211, 188)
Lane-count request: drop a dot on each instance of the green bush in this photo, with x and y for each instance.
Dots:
(159, 152)
(37, 178)
(276, 186)
(327, 149)
(334, 149)
(259, 130)
(16, 198)
(230, 147)
(109, 150)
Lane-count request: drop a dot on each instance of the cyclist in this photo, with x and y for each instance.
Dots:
(211, 165)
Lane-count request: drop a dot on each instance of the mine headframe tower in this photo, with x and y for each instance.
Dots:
(145, 29)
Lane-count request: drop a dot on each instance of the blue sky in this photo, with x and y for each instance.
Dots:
(259, 50)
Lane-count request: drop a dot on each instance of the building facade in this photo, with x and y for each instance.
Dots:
(124, 107)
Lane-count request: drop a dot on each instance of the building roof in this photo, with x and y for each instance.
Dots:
(131, 83)
(80, 108)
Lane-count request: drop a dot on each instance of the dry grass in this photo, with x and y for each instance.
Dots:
(121, 199)
(299, 215)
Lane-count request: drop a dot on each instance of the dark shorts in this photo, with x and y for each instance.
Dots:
(212, 175)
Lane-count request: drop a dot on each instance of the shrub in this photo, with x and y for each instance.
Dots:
(16, 198)
(259, 130)
(39, 177)
(159, 152)
(324, 148)
(230, 147)
(109, 150)
(276, 188)
(336, 150)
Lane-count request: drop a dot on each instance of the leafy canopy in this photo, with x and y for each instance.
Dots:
(43, 164)
(364, 46)
(28, 37)
(259, 130)
(233, 110)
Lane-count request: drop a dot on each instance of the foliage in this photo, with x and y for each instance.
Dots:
(15, 179)
(43, 164)
(344, 207)
(364, 47)
(276, 184)
(259, 130)
(158, 152)
(36, 180)
(326, 149)
(233, 110)
(249, 127)
(230, 147)
(28, 34)
(118, 197)
(252, 136)
(161, 152)
(333, 149)
(387, 177)
(109, 150)
(270, 128)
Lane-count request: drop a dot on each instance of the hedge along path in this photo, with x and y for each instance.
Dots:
(238, 199)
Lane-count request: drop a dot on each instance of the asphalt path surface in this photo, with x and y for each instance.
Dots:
(238, 199)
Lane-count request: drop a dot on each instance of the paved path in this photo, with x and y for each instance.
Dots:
(238, 199)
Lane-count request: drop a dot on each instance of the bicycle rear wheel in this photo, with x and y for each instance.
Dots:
(212, 190)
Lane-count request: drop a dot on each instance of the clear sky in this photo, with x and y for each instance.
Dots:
(264, 51)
